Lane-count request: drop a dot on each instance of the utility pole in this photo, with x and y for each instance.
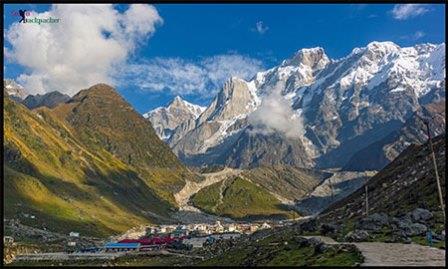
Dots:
(331, 188)
(439, 188)
(367, 199)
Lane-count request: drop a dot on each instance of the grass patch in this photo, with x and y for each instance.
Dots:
(421, 240)
(241, 199)
(282, 250)
(70, 185)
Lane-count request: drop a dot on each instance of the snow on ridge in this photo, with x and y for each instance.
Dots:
(153, 111)
(193, 108)
(418, 68)
(425, 62)
(14, 89)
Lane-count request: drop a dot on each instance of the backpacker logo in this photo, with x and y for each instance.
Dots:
(24, 17)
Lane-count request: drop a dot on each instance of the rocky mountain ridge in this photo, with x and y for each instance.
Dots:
(166, 119)
(329, 108)
(50, 100)
(14, 90)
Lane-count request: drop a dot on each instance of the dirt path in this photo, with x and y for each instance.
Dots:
(190, 214)
(191, 187)
(222, 187)
(395, 254)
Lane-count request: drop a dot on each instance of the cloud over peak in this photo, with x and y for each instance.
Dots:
(260, 27)
(203, 77)
(275, 114)
(406, 11)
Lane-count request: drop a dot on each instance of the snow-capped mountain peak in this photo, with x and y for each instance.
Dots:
(337, 103)
(166, 119)
(383, 45)
(179, 103)
(314, 58)
(14, 89)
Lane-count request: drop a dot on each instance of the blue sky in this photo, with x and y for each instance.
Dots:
(190, 49)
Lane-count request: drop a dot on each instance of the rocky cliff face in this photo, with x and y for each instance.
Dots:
(166, 119)
(330, 108)
(221, 118)
(14, 90)
(383, 86)
(380, 153)
(49, 100)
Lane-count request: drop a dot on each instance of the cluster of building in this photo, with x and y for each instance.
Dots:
(181, 236)
(203, 229)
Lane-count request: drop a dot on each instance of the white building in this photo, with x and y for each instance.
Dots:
(231, 228)
(265, 226)
(74, 234)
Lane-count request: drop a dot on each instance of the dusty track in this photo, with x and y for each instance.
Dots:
(190, 214)
(191, 187)
(395, 254)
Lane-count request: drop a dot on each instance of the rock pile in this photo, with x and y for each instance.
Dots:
(220, 246)
(399, 229)
(357, 236)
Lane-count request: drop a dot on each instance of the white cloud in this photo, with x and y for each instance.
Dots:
(83, 49)
(406, 11)
(415, 36)
(275, 114)
(419, 34)
(260, 27)
(178, 76)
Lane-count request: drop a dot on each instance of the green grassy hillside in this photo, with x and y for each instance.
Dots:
(50, 174)
(287, 181)
(238, 198)
(104, 121)
(93, 165)
(283, 247)
(404, 185)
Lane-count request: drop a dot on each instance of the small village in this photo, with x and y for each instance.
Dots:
(151, 239)
(203, 229)
(182, 236)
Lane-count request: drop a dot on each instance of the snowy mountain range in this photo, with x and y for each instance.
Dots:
(166, 119)
(310, 110)
(14, 90)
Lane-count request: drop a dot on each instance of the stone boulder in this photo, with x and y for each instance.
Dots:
(314, 241)
(357, 236)
(410, 229)
(318, 244)
(302, 242)
(328, 228)
(374, 222)
(421, 215)
(321, 248)
(399, 236)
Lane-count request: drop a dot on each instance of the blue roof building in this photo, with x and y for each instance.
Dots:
(122, 246)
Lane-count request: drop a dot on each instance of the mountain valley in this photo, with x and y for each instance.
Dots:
(299, 141)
